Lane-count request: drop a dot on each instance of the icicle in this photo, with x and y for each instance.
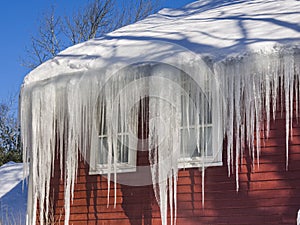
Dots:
(267, 101)
(229, 125)
(288, 91)
(237, 108)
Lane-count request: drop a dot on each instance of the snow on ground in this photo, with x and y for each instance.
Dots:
(13, 194)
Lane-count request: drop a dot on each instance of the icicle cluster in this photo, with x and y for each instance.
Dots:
(54, 115)
(66, 115)
(177, 105)
(251, 87)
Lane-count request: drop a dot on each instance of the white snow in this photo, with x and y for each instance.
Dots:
(251, 53)
(218, 29)
(13, 194)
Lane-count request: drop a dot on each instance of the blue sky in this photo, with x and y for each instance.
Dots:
(19, 21)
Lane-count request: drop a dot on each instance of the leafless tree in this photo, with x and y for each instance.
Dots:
(10, 149)
(46, 43)
(95, 19)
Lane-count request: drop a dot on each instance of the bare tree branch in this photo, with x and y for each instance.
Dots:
(85, 25)
(47, 43)
(97, 18)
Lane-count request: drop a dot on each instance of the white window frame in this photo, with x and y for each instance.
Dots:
(197, 162)
(121, 167)
(216, 138)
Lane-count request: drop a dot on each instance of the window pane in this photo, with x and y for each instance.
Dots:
(189, 111)
(122, 148)
(122, 121)
(206, 141)
(102, 120)
(103, 153)
(188, 143)
(189, 147)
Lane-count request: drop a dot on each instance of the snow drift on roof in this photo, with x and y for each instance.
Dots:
(215, 29)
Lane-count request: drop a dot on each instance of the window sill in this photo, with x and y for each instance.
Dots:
(198, 164)
(121, 168)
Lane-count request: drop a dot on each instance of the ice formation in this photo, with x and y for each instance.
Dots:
(62, 115)
(95, 88)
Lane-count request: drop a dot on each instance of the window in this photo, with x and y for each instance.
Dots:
(200, 131)
(122, 145)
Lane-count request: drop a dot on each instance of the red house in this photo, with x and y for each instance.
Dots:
(187, 117)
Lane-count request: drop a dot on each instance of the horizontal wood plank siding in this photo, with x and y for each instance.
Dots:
(268, 194)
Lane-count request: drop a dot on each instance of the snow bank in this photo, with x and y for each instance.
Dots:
(13, 194)
(247, 50)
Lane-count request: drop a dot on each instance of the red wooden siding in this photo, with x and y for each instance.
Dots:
(268, 194)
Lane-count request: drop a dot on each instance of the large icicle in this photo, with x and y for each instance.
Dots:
(164, 123)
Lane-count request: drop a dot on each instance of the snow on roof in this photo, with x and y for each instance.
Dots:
(217, 29)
